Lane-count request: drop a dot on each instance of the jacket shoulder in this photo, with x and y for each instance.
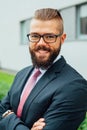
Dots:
(23, 72)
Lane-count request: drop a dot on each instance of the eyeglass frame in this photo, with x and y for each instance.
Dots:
(42, 36)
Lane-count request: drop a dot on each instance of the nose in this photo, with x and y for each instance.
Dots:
(41, 41)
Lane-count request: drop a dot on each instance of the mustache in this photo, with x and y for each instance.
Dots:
(42, 48)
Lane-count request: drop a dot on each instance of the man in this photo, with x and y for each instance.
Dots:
(58, 100)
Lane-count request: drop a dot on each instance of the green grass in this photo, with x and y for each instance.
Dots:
(5, 84)
(83, 125)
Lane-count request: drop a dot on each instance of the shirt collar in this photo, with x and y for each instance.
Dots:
(57, 58)
(44, 70)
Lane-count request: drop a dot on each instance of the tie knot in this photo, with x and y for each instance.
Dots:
(36, 73)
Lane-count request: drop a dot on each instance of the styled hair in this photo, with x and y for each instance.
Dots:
(49, 14)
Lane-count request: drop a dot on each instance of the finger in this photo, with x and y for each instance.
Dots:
(10, 113)
(39, 123)
(37, 128)
(40, 127)
(41, 120)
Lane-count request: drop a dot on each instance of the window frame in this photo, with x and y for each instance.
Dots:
(79, 35)
(24, 30)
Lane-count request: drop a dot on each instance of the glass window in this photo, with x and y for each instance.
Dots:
(82, 21)
(24, 29)
(83, 25)
(69, 22)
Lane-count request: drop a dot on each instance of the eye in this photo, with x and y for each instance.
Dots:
(49, 36)
(34, 36)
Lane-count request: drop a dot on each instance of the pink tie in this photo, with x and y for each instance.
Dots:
(29, 86)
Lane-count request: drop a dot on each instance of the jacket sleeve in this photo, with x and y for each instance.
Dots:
(67, 109)
(10, 122)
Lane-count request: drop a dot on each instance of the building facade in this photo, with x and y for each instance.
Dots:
(15, 16)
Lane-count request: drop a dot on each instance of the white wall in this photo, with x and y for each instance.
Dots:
(15, 56)
(76, 55)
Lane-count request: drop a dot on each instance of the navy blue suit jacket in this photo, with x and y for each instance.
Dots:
(60, 97)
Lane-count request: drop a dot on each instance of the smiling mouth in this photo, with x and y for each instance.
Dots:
(42, 51)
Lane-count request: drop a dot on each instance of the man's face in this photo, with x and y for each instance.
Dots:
(42, 53)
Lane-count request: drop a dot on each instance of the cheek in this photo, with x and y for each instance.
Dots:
(55, 47)
(32, 46)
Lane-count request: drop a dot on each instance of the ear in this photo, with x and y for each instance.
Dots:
(63, 37)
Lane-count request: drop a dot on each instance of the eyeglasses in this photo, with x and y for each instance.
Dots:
(48, 38)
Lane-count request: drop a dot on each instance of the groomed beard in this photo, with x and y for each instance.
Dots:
(49, 61)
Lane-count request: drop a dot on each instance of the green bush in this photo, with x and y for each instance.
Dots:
(83, 125)
(5, 83)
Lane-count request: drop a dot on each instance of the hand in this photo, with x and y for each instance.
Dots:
(39, 125)
(8, 112)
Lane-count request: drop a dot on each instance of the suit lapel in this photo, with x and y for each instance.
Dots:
(22, 81)
(42, 83)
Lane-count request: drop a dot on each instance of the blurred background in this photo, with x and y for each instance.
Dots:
(15, 16)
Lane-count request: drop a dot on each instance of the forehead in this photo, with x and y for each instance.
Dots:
(39, 26)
